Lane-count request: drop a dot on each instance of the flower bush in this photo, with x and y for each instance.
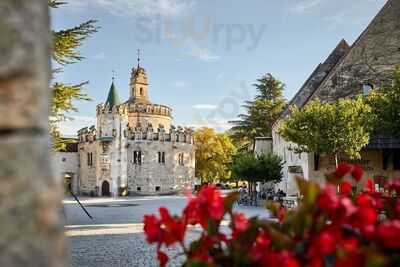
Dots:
(333, 226)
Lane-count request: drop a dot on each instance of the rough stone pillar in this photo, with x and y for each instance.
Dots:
(31, 232)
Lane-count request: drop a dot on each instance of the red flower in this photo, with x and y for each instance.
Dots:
(365, 200)
(240, 223)
(357, 172)
(174, 228)
(152, 229)
(348, 206)
(345, 188)
(209, 204)
(367, 216)
(369, 186)
(279, 259)
(162, 258)
(388, 234)
(211, 198)
(326, 243)
(342, 169)
(167, 230)
(397, 207)
(260, 246)
(350, 245)
(328, 199)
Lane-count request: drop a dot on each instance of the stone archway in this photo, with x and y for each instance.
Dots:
(67, 184)
(105, 189)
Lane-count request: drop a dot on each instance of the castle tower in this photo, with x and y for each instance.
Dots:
(108, 114)
(139, 84)
(113, 97)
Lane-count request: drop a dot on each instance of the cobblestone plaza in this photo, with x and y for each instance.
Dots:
(115, 236)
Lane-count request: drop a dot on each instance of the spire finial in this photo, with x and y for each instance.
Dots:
(138, 58)
(113, 75)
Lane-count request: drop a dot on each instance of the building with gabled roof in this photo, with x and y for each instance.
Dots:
(349, 71)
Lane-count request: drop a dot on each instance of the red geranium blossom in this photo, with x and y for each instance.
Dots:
(357, 172)
(342, 169)
(162, 258)
(330, 227)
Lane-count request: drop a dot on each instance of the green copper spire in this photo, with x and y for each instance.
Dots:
(113, 98)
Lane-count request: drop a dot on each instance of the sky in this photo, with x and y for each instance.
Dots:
(203, 56)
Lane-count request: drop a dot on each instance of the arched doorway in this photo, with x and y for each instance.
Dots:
(67, 184)
(105, 189)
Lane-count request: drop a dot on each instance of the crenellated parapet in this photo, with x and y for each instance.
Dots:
(105, 109)
(87, 134)
(149, 133)
(153, 109)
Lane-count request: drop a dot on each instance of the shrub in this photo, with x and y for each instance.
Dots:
(333, 227)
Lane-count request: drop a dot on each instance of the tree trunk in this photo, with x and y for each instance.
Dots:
(31, 230)
(336, 160)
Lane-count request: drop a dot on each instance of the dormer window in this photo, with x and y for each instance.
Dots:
(367, 88)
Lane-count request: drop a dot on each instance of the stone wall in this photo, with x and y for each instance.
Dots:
(67, 163)
(31, 232)
(88, 173)
(144, 119)
(169, 176)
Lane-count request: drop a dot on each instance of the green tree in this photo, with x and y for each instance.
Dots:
(385, 103)
(214, 153)
(257, 168)
(261, 113)
(66, 45)
(342, 127)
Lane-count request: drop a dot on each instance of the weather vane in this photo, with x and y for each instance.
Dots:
(113, 75)
(138, 58)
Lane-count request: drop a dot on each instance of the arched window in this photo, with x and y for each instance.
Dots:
(141, 91)
(367, 88)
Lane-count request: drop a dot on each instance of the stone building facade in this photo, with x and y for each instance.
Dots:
(350, 71)
(134, 149)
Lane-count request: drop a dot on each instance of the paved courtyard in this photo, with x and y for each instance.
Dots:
(115, 236)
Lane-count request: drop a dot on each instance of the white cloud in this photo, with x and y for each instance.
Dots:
(305, 6)
(136, 7)
(205, 106)
(203, 54)
(220, 125)
(70, 127)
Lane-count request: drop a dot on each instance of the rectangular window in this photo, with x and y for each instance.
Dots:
(137, 157)
(90, 159)
(161, 157)
(181, 159)
(158, 188)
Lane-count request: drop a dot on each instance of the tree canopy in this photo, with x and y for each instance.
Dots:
(261, 113)
(385, 103)
(214, 153)
(342, 127)
(66, 45)
(257, 168)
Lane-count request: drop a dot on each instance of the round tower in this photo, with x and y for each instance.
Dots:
(141, 112)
